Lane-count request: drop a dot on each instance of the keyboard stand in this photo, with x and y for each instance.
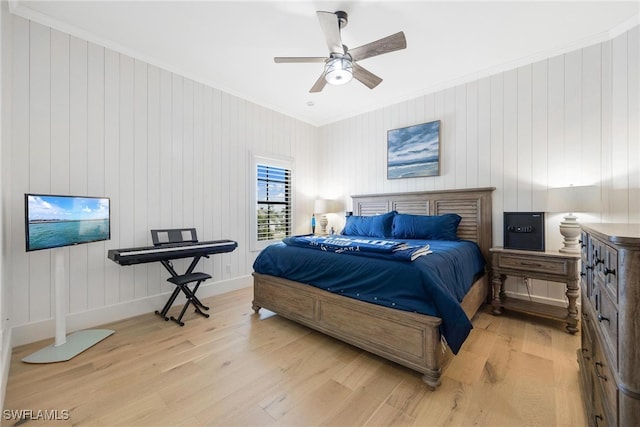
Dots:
(182, 282)
(172, 244)
(178, 236)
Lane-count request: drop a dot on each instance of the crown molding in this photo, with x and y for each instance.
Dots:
(625, 26)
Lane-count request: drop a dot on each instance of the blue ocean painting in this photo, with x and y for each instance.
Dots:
(55, 221)
(414, 151)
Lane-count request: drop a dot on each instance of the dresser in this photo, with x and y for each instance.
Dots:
(609, 355)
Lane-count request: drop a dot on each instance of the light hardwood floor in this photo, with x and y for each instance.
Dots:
(241, 369)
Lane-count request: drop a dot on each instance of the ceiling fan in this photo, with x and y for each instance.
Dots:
(341, 64)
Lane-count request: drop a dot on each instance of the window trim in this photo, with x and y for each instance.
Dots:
(275, 161)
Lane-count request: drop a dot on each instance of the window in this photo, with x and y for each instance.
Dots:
(273, 201)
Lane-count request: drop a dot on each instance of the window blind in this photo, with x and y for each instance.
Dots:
(273, 202)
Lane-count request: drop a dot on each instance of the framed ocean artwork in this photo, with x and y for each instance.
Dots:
(414, 151)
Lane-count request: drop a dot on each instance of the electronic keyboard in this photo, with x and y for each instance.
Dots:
(170, 251)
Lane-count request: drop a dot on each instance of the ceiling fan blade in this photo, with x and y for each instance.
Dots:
(387, 44)
(300, 59)
(331, 30)
(318, 85)
(367, 78)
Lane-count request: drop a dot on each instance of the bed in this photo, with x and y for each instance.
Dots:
(408, 337)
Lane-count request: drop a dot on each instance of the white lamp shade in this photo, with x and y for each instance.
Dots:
(585, 198)
(321, 206)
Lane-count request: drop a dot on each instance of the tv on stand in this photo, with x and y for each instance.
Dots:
(54, 222)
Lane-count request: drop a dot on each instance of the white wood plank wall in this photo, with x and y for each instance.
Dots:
(171, 152)
(571, 119)
(168, 151)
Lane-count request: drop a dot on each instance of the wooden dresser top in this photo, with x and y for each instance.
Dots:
(618, 233)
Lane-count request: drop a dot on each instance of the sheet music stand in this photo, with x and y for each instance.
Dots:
(176, 237)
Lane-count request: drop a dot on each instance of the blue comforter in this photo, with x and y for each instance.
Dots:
(433, 284)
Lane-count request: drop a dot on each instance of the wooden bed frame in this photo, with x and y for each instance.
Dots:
(410, 339)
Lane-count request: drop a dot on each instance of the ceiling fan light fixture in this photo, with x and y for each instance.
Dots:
(338, 71)
(340, 66)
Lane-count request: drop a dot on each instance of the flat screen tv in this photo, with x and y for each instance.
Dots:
(53, 221)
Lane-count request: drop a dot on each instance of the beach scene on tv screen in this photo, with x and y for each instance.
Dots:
(55, 221)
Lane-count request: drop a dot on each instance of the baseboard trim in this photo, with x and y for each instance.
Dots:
(37, 331)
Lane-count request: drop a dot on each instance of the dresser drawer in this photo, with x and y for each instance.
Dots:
(584, 295)
(593, 296)
(610, 271)
(585, 353)
(601, 415)
(587, 286)
(607, 319)
(597, 256)
(528, 263)
(584, 245)
(604, 380)
(605, 266)
(586, 332)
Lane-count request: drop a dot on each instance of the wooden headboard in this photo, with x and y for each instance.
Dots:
(473, 205)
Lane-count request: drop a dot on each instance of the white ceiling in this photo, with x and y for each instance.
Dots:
(231, 45)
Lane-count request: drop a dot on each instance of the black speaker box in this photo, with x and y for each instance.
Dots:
(524, 230)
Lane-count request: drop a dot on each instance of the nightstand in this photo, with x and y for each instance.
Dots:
(549, 265)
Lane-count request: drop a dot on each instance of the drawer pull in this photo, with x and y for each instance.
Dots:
(582, 274)
(598, 261)
(598, 418)
(531, 264)
(582, 244)
(601, 318)
(602, 377)
(607, 271)
(589, 267)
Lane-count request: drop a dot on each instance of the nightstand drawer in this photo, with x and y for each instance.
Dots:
(529, 263)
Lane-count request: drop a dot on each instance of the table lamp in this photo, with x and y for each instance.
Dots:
(568, 200)
(323, 207)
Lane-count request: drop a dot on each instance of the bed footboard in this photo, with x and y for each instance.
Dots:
(409, 339)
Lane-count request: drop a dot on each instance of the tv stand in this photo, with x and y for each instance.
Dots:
(65, 347)
(74, 344)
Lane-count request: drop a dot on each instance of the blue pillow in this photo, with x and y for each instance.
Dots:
(371, 226)
(441, 227)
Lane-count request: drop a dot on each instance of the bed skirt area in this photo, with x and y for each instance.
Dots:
(409, 339)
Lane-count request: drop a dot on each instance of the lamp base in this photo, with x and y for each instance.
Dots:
(323, 224)
(570, 230)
